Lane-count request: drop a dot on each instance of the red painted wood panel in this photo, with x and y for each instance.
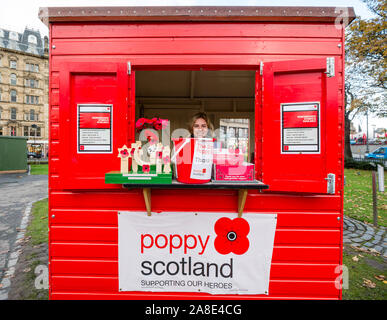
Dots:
(75, 295)
(85, 250)
(109, 283)
(54, 114)
(84, 267)
(54, 81)
(323, 254)
(212, 200)
(195, 46)
(54, 97)
(109, 217)
(185, 30)
(173, 61)
(54, 148)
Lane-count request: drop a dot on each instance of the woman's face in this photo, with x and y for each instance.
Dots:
(200, 128)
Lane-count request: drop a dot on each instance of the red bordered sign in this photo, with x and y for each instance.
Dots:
(300, 128)
(94, 128)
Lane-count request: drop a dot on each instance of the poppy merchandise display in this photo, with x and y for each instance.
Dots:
(256, 215)
(155, 170)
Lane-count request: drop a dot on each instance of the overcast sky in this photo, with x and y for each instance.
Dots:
(17, 14)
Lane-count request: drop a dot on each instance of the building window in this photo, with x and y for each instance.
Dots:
(32, 83)
(32, 114)
(13, 79)
(12, 64)
(13, 96)
(32, 39)
(26, 116)
(26, 131)
(32, 99)
(12, 131)
(1, 131)
(37, 131)
(13, 113)
(32, 67)
(13, 36)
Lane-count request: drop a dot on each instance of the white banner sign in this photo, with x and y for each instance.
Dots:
(209, 252)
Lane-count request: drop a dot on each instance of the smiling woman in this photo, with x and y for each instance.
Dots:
(201, 126)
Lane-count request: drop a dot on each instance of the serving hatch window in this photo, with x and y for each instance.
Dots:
(226, 96)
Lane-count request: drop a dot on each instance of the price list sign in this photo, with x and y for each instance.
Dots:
(300, 128)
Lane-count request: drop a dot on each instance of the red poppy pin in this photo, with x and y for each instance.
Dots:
(232, 236)
(124, 153)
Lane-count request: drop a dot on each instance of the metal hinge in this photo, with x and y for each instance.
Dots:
(331, 183)
(261, 68)
(330, 67)
(129, 68)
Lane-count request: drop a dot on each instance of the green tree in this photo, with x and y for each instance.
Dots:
(366, 64)
(367, 43)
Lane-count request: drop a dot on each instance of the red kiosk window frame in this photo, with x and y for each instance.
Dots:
(208, 67)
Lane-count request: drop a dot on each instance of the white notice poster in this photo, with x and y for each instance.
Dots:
(94, 128)
(216, 253)
(202, 159)
(300, 128)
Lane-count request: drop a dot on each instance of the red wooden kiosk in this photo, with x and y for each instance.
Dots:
(292, 55)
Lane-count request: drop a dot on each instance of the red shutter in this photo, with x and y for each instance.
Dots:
(299, 147)
(86, 89)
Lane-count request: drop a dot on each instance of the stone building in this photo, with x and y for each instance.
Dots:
(24, 87)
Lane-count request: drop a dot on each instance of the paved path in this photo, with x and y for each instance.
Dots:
(17, 192)
(365, 236)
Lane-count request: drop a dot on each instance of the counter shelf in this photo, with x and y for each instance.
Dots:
(242, 188)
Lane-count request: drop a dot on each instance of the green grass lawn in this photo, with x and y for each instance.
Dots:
(39, 168)
(38, 227)
(37, 230)
(367, 275)
(358, 197)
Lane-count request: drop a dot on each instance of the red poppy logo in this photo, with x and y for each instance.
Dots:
(232, 235)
